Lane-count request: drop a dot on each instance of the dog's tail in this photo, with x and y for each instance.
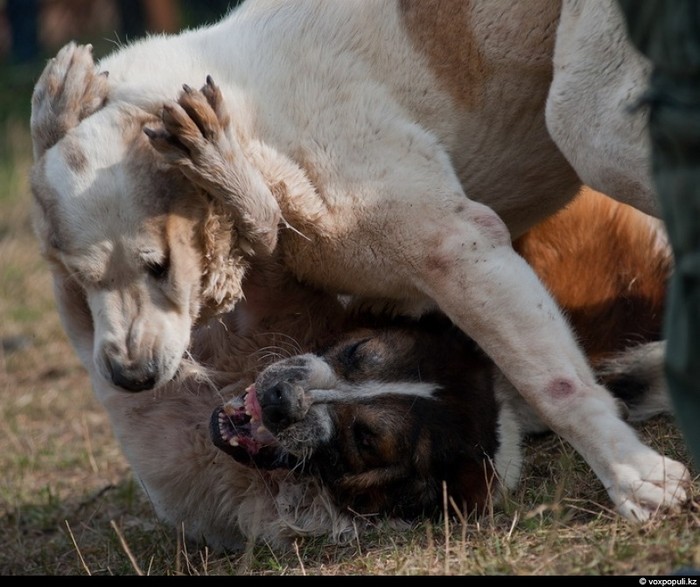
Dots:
(636, 378)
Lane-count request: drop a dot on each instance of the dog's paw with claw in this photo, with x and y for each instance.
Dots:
(648, 484)
(69, 89)
(194, 138)
(197, 139)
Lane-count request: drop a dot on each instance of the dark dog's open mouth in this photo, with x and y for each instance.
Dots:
(237, 429)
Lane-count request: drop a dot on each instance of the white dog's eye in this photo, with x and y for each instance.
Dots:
(157, 270)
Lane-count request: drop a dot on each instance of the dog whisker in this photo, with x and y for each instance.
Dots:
(291, 342)
(293, 229)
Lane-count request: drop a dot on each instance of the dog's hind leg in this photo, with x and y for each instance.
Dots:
(599, 76)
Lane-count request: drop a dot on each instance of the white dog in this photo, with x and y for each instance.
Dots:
(385, 149)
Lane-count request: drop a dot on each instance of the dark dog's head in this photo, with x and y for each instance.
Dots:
(383, 418)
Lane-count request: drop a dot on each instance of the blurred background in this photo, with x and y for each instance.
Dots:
(31, 31)
(32, 28)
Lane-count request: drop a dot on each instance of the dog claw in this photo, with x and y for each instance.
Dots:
(641, 493)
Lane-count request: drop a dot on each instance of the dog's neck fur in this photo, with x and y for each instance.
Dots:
(277, 317)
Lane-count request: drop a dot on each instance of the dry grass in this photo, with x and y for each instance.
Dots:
(69, 504)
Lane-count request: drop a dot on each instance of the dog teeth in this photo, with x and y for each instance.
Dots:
(261, 429)
(233, 442)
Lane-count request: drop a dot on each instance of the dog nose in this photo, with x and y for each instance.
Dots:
(277, 405)
(138, 379)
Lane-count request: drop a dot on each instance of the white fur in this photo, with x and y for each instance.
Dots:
(393, 188)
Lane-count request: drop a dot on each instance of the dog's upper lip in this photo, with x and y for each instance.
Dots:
(234, 430)
(238, 422)
(242, 415)
(251, 404)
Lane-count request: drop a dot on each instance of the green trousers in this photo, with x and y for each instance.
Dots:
(668, 33)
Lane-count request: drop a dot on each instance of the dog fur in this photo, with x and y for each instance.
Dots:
(395, 408)
(387, 150)
(195, 487)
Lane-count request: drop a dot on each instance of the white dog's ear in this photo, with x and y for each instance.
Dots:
(70, 89)
(223, 265)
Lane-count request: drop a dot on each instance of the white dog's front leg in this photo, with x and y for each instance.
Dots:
(473, 273)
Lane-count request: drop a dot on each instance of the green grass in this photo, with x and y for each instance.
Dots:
(70, 506)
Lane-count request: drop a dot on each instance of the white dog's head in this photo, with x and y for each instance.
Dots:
(138, 253)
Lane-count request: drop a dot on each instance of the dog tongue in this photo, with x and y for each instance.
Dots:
(252, 406)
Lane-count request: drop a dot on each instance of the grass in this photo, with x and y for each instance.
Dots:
(70, 506)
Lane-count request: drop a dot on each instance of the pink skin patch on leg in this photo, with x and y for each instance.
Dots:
(560, 389)
(492, 227)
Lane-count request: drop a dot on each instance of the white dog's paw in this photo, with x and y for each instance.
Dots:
(70, 89)
(197, 138)
(647, 484)
(194, 138)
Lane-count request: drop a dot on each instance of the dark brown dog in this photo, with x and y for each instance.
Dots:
(398, 408)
